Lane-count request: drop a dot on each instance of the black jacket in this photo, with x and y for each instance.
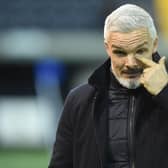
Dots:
(81, 135)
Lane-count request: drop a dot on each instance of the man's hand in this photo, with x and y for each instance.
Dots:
(154, 77)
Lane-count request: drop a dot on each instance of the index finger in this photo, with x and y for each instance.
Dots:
(146, 62)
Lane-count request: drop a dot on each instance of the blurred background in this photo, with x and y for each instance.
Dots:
(47, 48)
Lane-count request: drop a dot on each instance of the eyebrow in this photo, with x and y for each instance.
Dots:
(121, 48)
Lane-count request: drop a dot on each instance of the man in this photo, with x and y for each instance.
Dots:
(120, 118)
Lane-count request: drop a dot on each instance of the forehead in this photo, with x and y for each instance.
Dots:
(130, 39)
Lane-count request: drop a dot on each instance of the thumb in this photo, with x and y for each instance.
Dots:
(164, 63)
(162, 60)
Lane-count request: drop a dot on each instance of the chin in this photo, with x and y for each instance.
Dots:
(129, 83)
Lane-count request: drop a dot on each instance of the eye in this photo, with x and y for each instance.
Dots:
(119, 53)
(141, 51)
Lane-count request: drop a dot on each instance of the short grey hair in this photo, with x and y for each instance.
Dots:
(127, 18)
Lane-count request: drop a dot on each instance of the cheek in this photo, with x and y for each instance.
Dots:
(149, 53)
(118, 64)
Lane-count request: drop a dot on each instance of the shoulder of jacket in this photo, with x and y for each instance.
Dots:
(83, 88)
(81, 93)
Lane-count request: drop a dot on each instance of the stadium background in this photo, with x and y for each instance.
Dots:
(47, 48)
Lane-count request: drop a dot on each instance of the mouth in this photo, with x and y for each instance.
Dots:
(132, 75)
(136, 73)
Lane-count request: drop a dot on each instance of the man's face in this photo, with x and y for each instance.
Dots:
(123, 48)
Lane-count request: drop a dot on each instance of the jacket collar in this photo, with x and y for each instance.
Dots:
(101, 76)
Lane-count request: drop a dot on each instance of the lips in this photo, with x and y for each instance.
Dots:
(131, 72)
(131, 75)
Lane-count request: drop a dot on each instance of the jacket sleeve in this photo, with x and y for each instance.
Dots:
(162, 98)
(62, 155)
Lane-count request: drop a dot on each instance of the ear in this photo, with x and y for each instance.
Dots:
(155, 45)
(108, 50)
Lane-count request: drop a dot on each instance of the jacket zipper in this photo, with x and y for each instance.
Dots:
(96, 139)
(131, 131)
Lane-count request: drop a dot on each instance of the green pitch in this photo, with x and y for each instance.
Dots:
(24, 158)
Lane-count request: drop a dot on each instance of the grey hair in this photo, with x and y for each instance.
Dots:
(127, 18)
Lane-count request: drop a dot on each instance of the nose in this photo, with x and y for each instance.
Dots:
(131, 61)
